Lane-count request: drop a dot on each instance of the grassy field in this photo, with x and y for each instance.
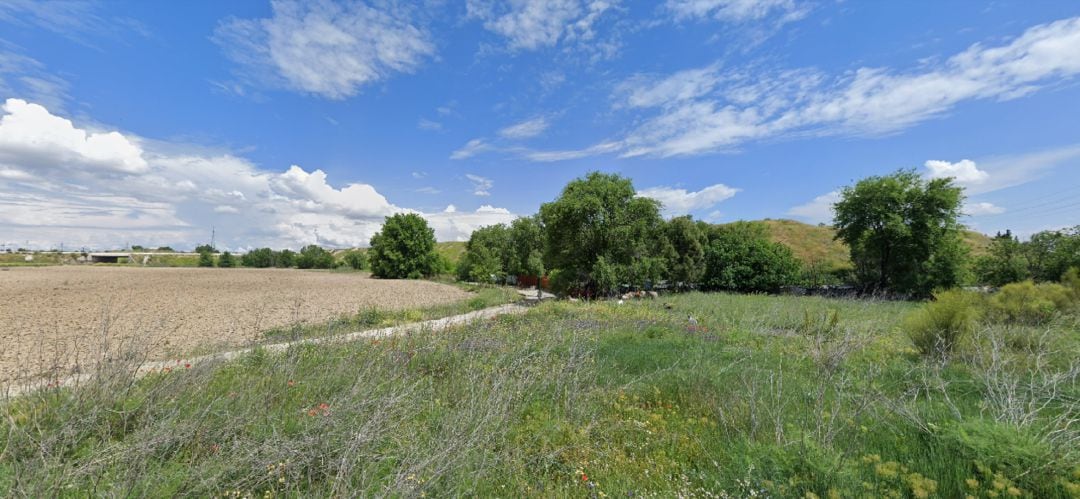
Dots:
(766, 396)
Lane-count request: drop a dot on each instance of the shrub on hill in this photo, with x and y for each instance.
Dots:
(1030, 303)
(206, 259)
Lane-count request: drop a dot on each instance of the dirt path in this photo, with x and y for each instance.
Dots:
(26, 386)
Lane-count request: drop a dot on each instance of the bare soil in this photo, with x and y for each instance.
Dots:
(59, 320)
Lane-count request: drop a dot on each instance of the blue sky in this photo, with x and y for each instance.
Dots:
(282, 123)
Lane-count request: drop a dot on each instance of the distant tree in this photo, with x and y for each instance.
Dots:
(205, 248)
(166, 249)
(903, 232)
(1050, 253)
(226, 260)
(206, 259)
(686, 251)
(526, 253)
(596, 230)
(259, 258)
(740, 257)
(313, 256)
(487, 254)
(136, 247)
(355, 259)
(285, 259)
(1004, 263)
(404, 248)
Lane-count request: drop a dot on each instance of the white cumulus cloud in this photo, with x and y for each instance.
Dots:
(964, 171)
(820, 210)
(680, 201)
(983, 208)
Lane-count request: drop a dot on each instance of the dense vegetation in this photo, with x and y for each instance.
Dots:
(404, 248)
(760, 396)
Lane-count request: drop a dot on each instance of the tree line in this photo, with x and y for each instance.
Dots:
(598, 237)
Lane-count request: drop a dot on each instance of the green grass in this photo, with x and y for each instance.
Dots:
(767, 396)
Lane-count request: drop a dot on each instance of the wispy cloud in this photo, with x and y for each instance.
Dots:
(470, 149)
(325, 48)
(737, 10)
(533, 24)
(713, 109)
(481, 185)
(820, 210)
(526, 129)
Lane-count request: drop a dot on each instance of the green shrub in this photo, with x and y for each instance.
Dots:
(314, 257)
(258, 258)
(206, 259)
(355, 260)
(1071, 280)
(939, 326)
(1030, 303)
(226, 260)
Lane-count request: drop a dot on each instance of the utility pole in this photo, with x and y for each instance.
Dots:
(213, 234)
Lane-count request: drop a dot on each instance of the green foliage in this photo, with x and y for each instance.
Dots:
(206, 259)
(526, 252)
(205, 248)
(1004, 263)
(941, 325)
(285, 259)
(741, 258)
(599, 216)
(903, 232)
(226, 260)
(258, 258)
(1052, 253)
(1071, 280)
(166, 249)
(404, 248)
(314, 257)
(1030, 303)
(355, 259)
(486, 255)
(685, 251)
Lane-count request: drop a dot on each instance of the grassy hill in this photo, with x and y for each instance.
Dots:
(816, 243)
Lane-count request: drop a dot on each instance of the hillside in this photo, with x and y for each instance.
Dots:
(816, 243)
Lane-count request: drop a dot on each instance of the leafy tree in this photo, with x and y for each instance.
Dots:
(903, 232)
(526, 253)
(404, 248)
(206, 259)
(136, 247)
(1050, 253)
(686, 261)
(226, 260)
(259, 258)
(166, 248)
(354, 259)
(596, 230)
(313, 256)
(740, 257)
(486, 254)
(205, 248)
(1005, 262)
(285, 259)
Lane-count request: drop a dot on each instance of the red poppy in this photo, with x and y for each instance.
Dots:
(584, 477)
(187, 366)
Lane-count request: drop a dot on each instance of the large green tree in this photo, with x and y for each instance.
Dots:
(404, 248)
(314, 257)
(597, 231)
(903, 232)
